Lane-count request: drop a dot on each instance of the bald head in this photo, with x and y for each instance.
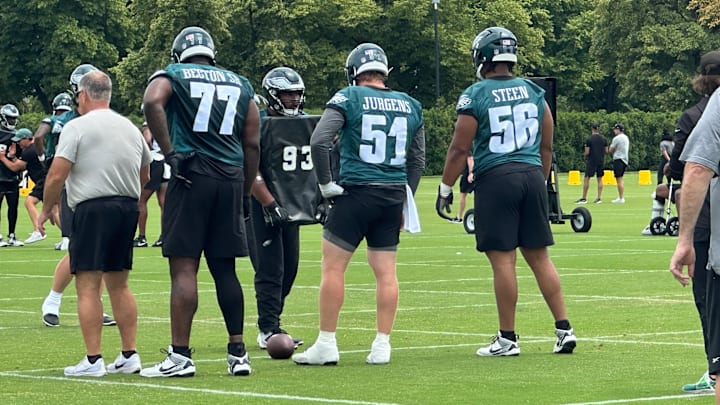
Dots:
(97, 85)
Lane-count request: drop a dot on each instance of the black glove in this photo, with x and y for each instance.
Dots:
(275, 215)
(443, 204)
(323, 210)
(175, 161)
(246, 208)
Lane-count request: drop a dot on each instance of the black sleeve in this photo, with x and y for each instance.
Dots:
(682, 131)
(416, 159)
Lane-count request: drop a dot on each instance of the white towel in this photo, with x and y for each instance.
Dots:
(410, 212)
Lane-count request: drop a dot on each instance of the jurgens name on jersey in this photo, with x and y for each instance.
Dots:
(510, 94)
(210, 75)
(386, 104)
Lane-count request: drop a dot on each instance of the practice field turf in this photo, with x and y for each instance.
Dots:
(639, 337)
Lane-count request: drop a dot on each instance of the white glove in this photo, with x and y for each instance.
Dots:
(41, 157)
(331, 190)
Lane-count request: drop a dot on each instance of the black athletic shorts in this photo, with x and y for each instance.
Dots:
(205, 217)
(366, 212)
(157, 168)
(9, 187)
(102, 234)
(465, 186)
(619, 168)
(37, 190)
(511, 208)
(66, 215)
(596, 169)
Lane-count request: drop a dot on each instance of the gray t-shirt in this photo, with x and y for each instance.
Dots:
(107, 151)
(621, 146)
(703, 148)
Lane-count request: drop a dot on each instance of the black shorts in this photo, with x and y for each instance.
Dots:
(206, 217)
(379, 222)
(37, 190)
(465, 186)
(102, 234)
(157, 168)
(511, 209)
(66, 215)
(619, 168)
(596, 169)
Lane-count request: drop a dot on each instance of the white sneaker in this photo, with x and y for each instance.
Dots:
(2, 242)
(12, 241)
(318, 355)
(379, 353)
(646, 231)
(239, 365)
(174, 365)
(566, 341)
(64, 243)
(499, 347)
(618, 201)
(121, 365)
(51, 311)
(85, 369)
(264, 336)
(35, 237)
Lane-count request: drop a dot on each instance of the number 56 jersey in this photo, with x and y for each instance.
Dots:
(380, 125)
(509, 112)
(207, 114)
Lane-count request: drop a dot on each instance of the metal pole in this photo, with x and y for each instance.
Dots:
(437, 49)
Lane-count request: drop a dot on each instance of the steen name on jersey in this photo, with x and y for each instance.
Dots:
(386, 104)
(510, 94)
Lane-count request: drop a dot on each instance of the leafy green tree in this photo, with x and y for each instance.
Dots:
(46, 39)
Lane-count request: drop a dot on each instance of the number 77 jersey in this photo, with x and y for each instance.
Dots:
(510, 114)
(207, 111)
(380, 125)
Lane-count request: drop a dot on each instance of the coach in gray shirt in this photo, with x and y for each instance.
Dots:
(702, 157)
(104, 160)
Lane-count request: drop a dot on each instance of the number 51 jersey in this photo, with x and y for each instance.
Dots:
(509, 112)
(207, 112)
(380, 125)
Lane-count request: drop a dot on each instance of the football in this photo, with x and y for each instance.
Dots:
(280, 346)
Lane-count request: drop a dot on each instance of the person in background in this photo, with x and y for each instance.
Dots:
(511, 168)
(620, 149)
(157, 185)
(466, 187)
(594, 151)
(666, 147)
(21, 156)
(9, 179)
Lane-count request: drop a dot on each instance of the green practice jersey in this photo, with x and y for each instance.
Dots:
(56, 123)
(207, 112)
(380, 125)
(509, 112)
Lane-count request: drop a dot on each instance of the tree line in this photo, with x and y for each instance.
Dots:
(609, 56)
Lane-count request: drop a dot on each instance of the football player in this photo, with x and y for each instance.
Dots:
(207, 125)
(275, 252)
(510, 127)
(9, 179)
(382, 151)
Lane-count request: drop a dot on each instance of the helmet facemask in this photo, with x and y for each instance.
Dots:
(9, 115)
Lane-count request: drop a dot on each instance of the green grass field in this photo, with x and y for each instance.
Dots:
(638, 331)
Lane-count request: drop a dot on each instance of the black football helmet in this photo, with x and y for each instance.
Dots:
(494, 44)
(77, 74)
(9, 115)
(62, 102)
(365, 57)
(192, 41)
(280, 80)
